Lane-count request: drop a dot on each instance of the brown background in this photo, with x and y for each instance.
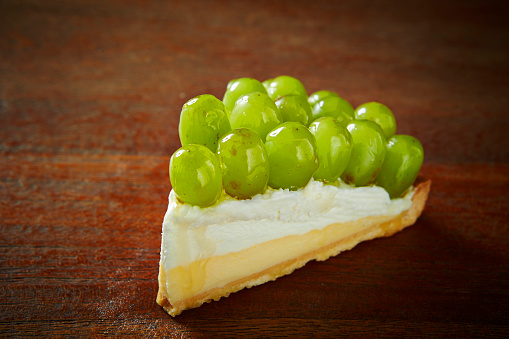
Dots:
(90, 95)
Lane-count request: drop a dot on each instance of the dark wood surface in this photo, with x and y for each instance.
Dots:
(90, 95)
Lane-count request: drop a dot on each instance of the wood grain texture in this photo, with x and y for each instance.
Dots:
(90, 95)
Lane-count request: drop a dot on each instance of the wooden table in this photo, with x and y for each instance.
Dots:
(90, 96)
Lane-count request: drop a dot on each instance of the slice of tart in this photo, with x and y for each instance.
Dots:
(208, 253)
(224, 230)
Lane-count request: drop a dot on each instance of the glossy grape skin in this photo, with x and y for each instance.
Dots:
(244, 163)
(378, 113)
(267, 83)
(336, 107)
(319, 95)
(203, 121)
(292, 155)
(367, 155)
(334, 146)
(195, 175)
(295, 108)
(256, 111)
(284, 85)
(403, 160)
(239, 87)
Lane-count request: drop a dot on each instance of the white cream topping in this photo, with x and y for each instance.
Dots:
(192, 233)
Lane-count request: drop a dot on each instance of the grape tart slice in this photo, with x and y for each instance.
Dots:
(269, 178)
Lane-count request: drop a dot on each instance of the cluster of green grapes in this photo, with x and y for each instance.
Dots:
(273, 134)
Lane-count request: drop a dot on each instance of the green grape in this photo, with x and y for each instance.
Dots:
(292, 155)
(284, 85)
(203, 121)
(336, 107)
(368, 153)
(256, 111)
(334, 145)
(319, 95)
(295, 108)
(403, 160)
(239, 87)
(378, 113)
(244, 163)
(195, 175)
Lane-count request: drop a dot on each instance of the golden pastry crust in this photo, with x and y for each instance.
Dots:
(376, 227)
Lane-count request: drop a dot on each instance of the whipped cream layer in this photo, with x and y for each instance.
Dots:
(192, 233)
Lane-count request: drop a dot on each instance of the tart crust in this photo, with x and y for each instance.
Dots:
(372, 227)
